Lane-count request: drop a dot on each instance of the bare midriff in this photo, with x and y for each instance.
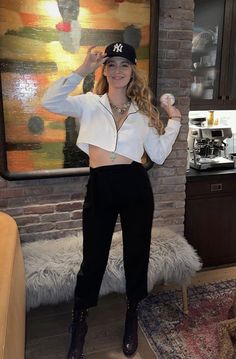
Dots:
(100, 157)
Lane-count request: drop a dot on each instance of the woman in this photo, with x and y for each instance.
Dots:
(117, 124)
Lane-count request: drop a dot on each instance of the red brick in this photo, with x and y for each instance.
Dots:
(55, 217)
(180, 188)
(69, 206)
(171, 212)
(161, 54)
(182, 145)
(15, 211)
(45, 227)
(178, 14)
(185, 54)
(3, 183)
(182, 170)
(39, 190)
(26, 220)
(171, 73)
(69, 224)
(172, 180)
(170, 44)
(170, 64)
(76, 215)
(181, 153)
(163, 35)
(168, 83)
(54, 198)
(32, 237)
(174, 24)
(180, 35)
(3, 203)
(165, 204)
(178, 163)
(37, 200)
(172, 196)
(165, 172)
(48, 208)
(11, 192)
(78, 196)
(186, 45)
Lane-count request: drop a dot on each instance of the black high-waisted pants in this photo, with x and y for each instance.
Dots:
(111, 190)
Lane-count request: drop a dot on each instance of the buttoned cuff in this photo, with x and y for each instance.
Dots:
(174, 123)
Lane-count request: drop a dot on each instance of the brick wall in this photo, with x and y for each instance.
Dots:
(52, 208)
(45, 208)
(174, 75)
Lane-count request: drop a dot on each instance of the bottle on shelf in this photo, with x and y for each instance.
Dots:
(216, 121)
(210, 119)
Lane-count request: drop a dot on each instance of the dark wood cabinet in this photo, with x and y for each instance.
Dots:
(210, 217)
(214, 55)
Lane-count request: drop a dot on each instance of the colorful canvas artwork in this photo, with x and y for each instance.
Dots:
(41, 40)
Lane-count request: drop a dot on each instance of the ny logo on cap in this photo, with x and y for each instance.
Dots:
(117, 47)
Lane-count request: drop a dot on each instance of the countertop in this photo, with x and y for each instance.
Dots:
(192, 173)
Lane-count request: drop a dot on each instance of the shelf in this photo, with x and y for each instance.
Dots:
(206, 51)
(203, 69)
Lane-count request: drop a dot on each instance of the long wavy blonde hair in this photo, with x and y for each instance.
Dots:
(138, 91)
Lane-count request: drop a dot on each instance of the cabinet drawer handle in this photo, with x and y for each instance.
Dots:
(216, 187)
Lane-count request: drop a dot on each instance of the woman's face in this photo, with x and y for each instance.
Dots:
(118, 72)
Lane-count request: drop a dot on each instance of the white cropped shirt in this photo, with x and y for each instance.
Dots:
(97, 126)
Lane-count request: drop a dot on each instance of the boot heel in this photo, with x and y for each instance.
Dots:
(130, 339)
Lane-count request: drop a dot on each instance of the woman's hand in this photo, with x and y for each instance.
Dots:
(172, 111)
(91, 62)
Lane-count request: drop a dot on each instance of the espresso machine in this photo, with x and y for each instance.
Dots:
(207, 149)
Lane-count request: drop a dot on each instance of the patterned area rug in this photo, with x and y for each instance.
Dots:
(174, 335)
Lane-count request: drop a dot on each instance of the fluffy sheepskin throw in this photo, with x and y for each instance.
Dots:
(51, 266)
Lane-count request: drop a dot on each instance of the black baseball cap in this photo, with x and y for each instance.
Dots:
(121, 49)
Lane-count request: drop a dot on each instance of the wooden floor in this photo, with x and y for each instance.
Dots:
(47, 334)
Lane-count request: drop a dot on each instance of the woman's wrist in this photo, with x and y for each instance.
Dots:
(81, 71)
(174, 113)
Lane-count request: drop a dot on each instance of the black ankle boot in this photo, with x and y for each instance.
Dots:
(130, 340)
(78, 331)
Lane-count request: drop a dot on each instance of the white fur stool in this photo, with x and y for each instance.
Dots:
(52, 265)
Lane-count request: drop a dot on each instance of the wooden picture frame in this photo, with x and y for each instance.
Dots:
(28, 142)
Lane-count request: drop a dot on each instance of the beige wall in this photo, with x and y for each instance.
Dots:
(52, 208)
